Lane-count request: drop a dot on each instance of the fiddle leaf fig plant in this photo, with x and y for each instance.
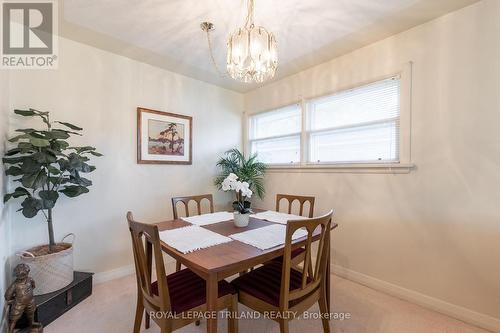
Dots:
(46, 165)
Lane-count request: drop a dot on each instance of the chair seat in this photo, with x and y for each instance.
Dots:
(295, 253)
(264, 283)
(188, 290)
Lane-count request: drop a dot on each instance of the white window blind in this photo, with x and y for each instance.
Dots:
(275, 135)
(360, 125)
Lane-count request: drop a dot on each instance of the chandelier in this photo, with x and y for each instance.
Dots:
(252, 54)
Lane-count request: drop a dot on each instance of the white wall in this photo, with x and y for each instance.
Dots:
(434, 231)
(4, 221)
(100, 91)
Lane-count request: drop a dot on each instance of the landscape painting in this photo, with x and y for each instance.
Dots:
(163, 138)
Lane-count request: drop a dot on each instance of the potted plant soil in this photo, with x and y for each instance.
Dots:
(45, 166)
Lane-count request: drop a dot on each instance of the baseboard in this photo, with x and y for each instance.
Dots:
(113, 274)
(452, 310)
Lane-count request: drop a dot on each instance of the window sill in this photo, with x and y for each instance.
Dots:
(387, 168)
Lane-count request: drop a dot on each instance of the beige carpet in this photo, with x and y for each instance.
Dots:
(112, 306)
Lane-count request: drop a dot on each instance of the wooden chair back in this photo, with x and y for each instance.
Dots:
(311, 278)
(196, 198)
(301, 199)
(146, 246)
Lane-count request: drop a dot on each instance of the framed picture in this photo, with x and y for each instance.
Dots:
(163, 138)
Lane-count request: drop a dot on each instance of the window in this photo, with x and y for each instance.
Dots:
(275, 135)
(356, 126)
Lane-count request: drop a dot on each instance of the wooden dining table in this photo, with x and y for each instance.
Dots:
(224, 260)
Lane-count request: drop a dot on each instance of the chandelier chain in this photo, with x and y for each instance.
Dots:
(249, 19)
(210, 50)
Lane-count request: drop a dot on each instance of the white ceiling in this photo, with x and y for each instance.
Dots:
(166, 33)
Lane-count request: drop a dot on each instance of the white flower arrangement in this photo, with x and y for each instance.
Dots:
(242, 189)
(231, 183)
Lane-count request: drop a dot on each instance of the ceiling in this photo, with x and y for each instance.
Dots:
(167, 34)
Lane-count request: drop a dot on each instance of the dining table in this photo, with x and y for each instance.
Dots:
(224, 260)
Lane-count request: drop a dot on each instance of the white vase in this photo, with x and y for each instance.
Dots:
(241, 220)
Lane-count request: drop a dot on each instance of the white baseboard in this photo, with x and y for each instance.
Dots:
(452, 310)
(113, 274)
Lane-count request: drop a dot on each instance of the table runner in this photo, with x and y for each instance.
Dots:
(266, 237)
(277, 217)
(206, 219)
(192, 238)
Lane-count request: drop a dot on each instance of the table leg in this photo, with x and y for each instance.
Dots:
(328, 276)
(212, 286)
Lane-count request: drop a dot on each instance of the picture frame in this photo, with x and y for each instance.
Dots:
(164, 137)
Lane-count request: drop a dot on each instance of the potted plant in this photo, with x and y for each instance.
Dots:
(46, 165)
(242, 175)
(242, 190)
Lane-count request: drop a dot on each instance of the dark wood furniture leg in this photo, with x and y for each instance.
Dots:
(328, 277)
(149, 258)
(212, 291)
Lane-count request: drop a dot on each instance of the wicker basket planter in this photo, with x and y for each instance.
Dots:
(51, 271)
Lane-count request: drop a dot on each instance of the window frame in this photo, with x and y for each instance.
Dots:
(403, 164)
(250, 141)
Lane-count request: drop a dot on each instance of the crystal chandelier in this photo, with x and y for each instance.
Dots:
(252, 53)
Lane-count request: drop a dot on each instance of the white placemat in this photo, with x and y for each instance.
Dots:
(266, 237)
(192, 238)
(277, 217)
(206, 219)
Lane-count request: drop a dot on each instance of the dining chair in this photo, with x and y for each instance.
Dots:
(185, 201)
(290, 198)
(171, 296)
(298, 255)
(277, 287)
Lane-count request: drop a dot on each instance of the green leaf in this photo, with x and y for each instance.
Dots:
(26, 130)
(40, 113)
(44, 157)
(80, 150)
(30, 165)
(13, 151)
(87, 168)
(14, 171)
(95, 153)
(74, 190)
(59, 145)
(53, 170)
(49, 198)
(35, 180)
(58, 181)
(18, 192)
(25, 113)
(13, 160)
(57, 134)
(31, 207)
(73, 127)
(25, 146)
(76, 179)
(19, 137)
(39, 142)
(36, 135)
